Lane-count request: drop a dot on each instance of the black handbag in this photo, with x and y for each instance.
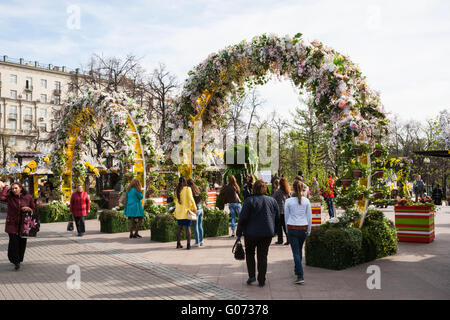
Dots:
(70, 224)
(238, 250)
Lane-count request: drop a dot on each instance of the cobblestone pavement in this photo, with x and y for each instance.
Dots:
(116, 267)
(106, 273)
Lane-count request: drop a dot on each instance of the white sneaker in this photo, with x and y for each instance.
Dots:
(196, 245)
(201, 243)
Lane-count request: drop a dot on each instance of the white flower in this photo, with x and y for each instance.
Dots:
(333, 220)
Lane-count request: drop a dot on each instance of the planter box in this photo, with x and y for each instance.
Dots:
(316, 208)
(357, 173)
(346, 181)
(414, 223)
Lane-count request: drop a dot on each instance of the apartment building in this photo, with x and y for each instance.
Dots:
(31, 97)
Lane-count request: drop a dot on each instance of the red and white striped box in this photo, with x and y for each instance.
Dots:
(414, 223)
(212, 197)
(316, 208)
(160, 201)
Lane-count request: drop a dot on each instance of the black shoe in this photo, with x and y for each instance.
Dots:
(261, 284)
(286, 243)
(188, 246)
(131, 235)
(299, 280)
(179, 245)
(279, 242)
(137, 235)
(79, 234)
(251, 280)
(16, 266)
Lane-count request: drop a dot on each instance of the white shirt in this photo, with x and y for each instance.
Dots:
(296, 214)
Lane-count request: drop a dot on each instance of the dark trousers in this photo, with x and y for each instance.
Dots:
(79, 222)
(262, 249)
(280, 228)
(16, 248)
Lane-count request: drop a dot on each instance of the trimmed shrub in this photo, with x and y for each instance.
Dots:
(215, 222)
(114, 221)
(93, 214)
(379, 236)
(53, 212)
(338, 245)
(164, 228)
(333, 248)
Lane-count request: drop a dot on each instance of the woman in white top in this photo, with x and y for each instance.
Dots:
(298, 218)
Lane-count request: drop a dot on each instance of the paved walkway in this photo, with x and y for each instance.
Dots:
(116, 267)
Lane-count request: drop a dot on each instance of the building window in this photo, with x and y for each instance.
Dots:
(13, 94)
(43, 113)
(57, 99)
(43, 98)
(12, 124)
(12, 141)
(13, 79)
(29, 96)
(29, 83)
(44, 83)
(27, 125)
(57, 85)
(43, 127)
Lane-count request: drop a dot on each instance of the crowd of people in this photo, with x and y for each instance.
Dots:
(257, 216)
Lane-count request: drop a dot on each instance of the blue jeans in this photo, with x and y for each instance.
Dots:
(330, 207)
(235, 210)
(296, 239)
(198, 227)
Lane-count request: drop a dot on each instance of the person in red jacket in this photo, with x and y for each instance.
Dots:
(80, 205)
(329, 195)
(18, 200)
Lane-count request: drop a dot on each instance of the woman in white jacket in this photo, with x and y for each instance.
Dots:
(298, 219)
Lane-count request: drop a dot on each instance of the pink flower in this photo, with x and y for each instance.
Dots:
(342, 103)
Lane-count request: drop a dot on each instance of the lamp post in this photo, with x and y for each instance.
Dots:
(427, 162)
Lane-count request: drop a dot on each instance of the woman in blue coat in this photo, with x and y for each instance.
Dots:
(133, 208)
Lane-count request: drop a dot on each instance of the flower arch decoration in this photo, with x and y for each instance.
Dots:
(126, 121)
(342, 100)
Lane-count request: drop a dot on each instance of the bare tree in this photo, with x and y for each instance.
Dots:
(160, 90)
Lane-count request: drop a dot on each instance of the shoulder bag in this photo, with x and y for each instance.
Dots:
(191, 215)
(29, 225)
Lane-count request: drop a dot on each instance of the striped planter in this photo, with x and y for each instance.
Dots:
(316, 208)
(212, 197)
(414, 223)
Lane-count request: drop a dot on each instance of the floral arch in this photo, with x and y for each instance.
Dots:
(342, 100)
(129, 129)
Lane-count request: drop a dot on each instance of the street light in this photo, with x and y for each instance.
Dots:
(427, 162)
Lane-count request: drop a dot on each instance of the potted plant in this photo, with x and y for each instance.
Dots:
(378, 150)
(347, 179)
(359, 169)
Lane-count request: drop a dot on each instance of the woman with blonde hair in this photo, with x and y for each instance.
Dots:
(198, 227)
(298, 218)
(133, 207)
(230, 194)
(184, 201)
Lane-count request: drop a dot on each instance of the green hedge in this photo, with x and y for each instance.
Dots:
(53, 212)
(93, 214)
(59, 212)
(215, 222)
(379, 236)
(333, 248)
(164, 226)
(114, 221)
(339, 245)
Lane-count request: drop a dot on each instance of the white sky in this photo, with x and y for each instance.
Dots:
(401, 46)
